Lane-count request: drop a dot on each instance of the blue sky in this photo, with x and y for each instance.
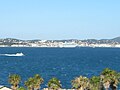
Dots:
(59, 19)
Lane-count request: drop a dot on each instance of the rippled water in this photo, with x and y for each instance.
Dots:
(63, 63)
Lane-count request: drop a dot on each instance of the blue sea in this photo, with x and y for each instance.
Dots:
(63, 63)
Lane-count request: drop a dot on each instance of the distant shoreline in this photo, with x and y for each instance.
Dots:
(57, 47)
(71, 43)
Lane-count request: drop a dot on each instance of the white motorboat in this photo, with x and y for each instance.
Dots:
(17, 54)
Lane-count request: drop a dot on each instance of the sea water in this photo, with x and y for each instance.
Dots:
(63, 63)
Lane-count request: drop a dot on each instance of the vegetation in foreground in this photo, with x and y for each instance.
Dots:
(108, 79)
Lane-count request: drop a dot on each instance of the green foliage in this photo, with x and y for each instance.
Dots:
(81, 83)
(95, 79)
(34, 82)
(110, 78)
(95, 82)
(21, 88)
(54, 84)
(14, 80)
(38, 80)
(29, 83)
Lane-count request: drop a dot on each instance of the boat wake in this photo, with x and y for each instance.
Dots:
(13, 55)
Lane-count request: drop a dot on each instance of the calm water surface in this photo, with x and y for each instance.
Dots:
(63, 63)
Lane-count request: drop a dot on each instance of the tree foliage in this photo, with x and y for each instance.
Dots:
(54, 84)
(14, 80)
(110, 78)
(81, 83)
(34, 82)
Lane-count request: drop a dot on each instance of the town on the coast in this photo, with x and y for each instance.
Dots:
(11, 42)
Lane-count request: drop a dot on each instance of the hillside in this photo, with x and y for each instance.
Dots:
(117, 39)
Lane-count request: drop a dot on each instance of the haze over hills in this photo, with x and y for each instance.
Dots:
(116, 39)
(63, 39)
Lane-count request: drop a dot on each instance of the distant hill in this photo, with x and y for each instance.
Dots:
(117, 39)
